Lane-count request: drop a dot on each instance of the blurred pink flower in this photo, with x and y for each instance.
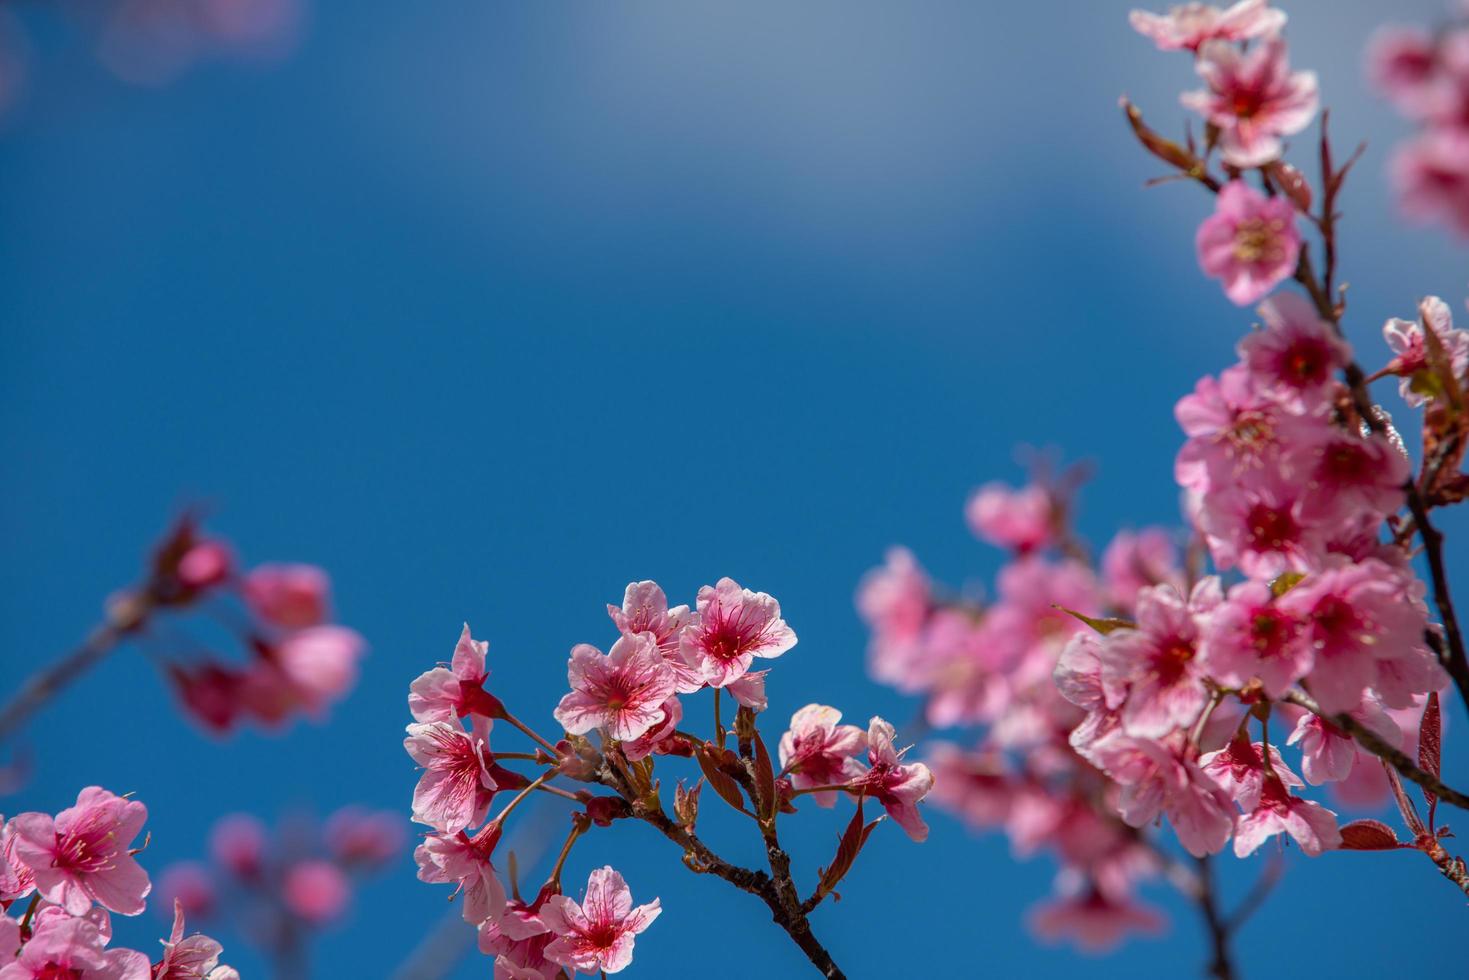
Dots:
(1253, 97)
(316, 890)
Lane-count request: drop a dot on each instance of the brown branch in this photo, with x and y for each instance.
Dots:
(1221, 966)
(1378, 746)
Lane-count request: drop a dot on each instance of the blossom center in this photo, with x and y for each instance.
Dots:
(1259, 240)
(1270, 528)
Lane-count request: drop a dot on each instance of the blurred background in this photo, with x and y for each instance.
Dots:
(490, 308)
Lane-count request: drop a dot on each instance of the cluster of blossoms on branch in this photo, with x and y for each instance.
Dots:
(624, 712)
(295, 660)
(69, 872)
(278, 889)
(1150, 690)
(1425, 74)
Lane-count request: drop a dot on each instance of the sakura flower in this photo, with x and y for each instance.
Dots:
(1262, 526)
(898, 787)
(321, 663)
(237, 843)
(645, 610)
(1403, 63)
(972, 785)
(1008, 518)
(446, 693)
(730, 628)
(621, 693)
(517, 938)
(16, 879)
(456, 787)
(1189, 25)
(1095, 921)
(291, 596)
(188, 886)
(817, 751)
(364, 838)
(316, 891)
(465, 863)
(1252, 636)
(1348, 474)
(1311, 824)
(194, 958)
(1359, 615)
(1234, 429)
(1296, 355)
(207, 563)
(597, 934)
(83, 854)
(1239, 769)
(1431, 176)
(75, 949)
(1253, 97)
(1250, 242)
(644, 745)
(749, 690)
(896, 600)
(1135, 560)
(1329, 754)
(1409, 344)
(1156, 779)
(1157, 660)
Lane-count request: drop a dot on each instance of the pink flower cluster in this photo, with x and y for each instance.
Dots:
(1425, 74)
(298, 660)
(629, 698)
(277, 885)
(73, 870)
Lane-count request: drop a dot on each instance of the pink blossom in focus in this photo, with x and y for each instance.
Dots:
(598, 933)
(192, 958)
(749, 690)
(1239, 769)
(17, 881)
(645, 610)
(1329, 755)
(1253, 97)
(64, 948)
(316, 890)
(1250, 242)
(1009, 518)
(1189, 25)
(645, 744)
(817, 751)
(82, 855)
(1349, 474)
(291, 596)
(621, 693)
(1234, 429)
(456, 787)
(465, 863)
(1278, 812)
(1251, 635)
(898, 787)
(730, 628)
(1157, 661)
(1262, 526)
(447, 693)
(517, 938)
(1410, 347)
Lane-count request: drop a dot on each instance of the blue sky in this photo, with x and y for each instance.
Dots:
(492, 308)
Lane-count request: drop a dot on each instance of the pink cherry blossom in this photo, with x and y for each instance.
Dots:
(749, 690)
(1135, 560)
(456, 787)
(972, 785)
(206, 564)
(291, 596)
(1278, 812)
(1295, 357)
(897, 786)
(83, 854)
(1251, 635)
(896, 600)
(321, 663)
(1328, 754)
(1430, 173)
(1009, 518)
(192, 958)
(1157, 661)
(1239, 769)
(1156, 779)
(1408, 343)
(518, 939)
(316, 890)
(1189, 25)
(818, 751)
(731, 627)
(464, 862)
(1262, 526)
(237, 843)
(1360, 615)
(1253, 97)
(621, 693)
(1235, 430)
(360, 837)
(447, 693)
(1096, 921)
(188, 886)
(598, 933)
(74, 949)
(645, 610)
(1250, 242)
(17, 881)
(1348, 474)
(645, 744)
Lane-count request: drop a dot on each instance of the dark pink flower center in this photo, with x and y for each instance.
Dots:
(1335, 617)
(51, 971)
(1270, 528)
(1347, 462)
(1305, 363)
(1270, 632)
(1172, 659)
(1259, 240)
(728, 638)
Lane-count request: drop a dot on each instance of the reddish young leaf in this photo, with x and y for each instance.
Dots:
(1430, 747)
(850, 845)
(1368, 835)
(1405, 805)
(723, 783)
(1292, 183)
(764, 781)
(1164, 149)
